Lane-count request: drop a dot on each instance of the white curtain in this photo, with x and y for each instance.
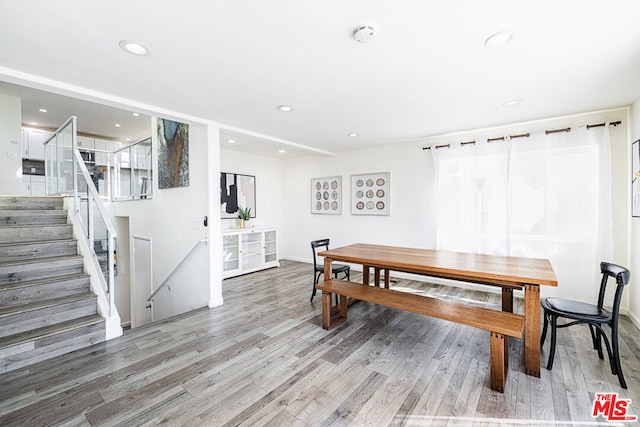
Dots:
(545, 196)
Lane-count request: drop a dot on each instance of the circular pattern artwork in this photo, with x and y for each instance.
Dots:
(326, 195)
(370, 194)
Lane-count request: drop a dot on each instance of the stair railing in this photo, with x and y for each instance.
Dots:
(175, 276)
(133, 172)
(67, 174)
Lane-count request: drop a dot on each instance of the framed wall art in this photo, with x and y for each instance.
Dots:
(237, 190)
(173, 154)
(326, 195)
(635, 178)
(370, 194)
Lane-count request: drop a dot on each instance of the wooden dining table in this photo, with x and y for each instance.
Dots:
(505, 272)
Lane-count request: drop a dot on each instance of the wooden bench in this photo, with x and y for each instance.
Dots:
(500, 324)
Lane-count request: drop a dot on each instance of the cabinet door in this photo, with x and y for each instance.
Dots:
(85, 142)
(25, 144)
(36, 139)
(270, 246)
(230, 254)
(103, 144)
(251, 251)
(26, 185)
(37, 186)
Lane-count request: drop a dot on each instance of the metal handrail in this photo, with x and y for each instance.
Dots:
(126, 147)
(164, 282)
(55, 134)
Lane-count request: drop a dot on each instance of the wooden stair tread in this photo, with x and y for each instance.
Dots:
(37, 282)
(52, 302)
(37, 242)
(510, 324)
(50, 330)
(40, 260)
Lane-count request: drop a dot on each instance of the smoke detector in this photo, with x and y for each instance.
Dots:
(363, 33)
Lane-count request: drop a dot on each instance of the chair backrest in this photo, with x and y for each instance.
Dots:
(317, 244)
(621, 275)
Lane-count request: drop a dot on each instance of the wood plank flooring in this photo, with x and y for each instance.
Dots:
(263, 359)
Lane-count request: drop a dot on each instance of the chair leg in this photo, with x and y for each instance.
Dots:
(616, 356)
(543, 336)
(597, 340)
(348, 275)
(315, 282)
(552, 350)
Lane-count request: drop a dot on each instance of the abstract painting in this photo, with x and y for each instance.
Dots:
(173, 154)
(326, 195)
(370, 194)
(236, 191)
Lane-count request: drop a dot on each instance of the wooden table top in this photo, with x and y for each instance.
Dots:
(478, 268)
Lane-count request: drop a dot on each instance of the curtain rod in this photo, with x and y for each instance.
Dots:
(524, 135)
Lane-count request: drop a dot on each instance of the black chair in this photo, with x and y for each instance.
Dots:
(319, 269)
(595, 316)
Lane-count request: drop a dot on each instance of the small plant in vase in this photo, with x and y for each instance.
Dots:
(244, 214)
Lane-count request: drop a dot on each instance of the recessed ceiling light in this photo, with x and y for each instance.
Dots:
(34, 123)
(498, 39)
(281, 151)
(352, 135)
(231, 141)
(285, 108)
(42, 110)
(135, 114)
(512, 102)
(135, 48)
(127, 139)
(118, 125)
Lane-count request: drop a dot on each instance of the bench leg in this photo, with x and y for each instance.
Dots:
(498, 361)
(328, 310)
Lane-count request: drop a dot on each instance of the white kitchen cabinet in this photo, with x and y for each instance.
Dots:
(106, 145)
(33, 185)
(85, 142)
(248, 250)
(32, 143)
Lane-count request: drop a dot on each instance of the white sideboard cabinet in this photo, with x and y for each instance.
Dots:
(248, 250)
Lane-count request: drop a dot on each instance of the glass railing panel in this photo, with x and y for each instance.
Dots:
(133, 171)
(51, 166)
(65, 159)
(100, 241)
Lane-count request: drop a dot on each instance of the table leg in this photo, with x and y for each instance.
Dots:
(376, 276)
(507, 300)
(365, 275)
(387, 278)
(507, 305)
(327, 269)
(532, 330)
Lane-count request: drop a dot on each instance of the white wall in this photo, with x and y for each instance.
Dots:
(412, 219)
(269, 189)
(10, 146)
(173, 218)
(634, 286)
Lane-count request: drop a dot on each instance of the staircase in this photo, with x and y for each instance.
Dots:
(46, 306)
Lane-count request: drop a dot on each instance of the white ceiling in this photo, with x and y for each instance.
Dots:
(426, 71)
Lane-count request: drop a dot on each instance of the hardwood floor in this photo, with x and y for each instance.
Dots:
(263, 359)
